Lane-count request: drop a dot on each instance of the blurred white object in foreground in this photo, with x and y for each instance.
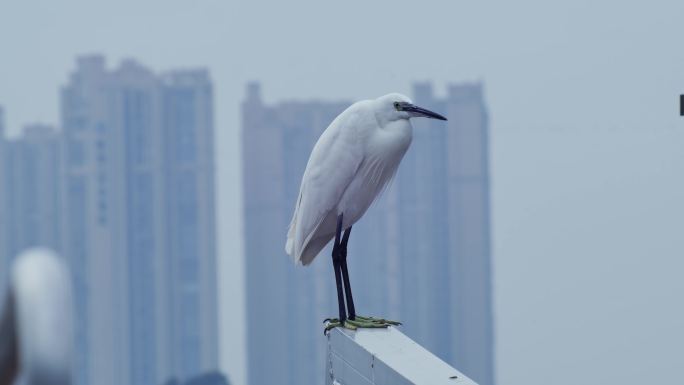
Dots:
(36, 321)
(387, 357)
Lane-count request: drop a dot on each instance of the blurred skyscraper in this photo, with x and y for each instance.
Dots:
(30, 211)
(285, 305)
(444, 231)
(138, 228)
(4, 204)
(421, 254)
(190, 232)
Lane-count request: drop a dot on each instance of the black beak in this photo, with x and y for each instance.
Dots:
(420, 111)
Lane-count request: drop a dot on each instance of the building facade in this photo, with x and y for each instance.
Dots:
(140, 243)
(442, 201)
(30, 211)
(285, 305)
(4, 207)
(421, 254)
(190, 280)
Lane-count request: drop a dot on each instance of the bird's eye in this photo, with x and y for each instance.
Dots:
(397, 106)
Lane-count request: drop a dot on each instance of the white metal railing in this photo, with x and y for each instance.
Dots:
(385, 356)
(36, 321)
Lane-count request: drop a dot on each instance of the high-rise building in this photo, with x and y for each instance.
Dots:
(34, 167)
(285, 304)
(420, 254)
(30, 198)
(190, 281)
(4, 206)
(444, 220)
(140, 242)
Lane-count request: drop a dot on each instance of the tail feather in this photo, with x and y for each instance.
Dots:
(292, 231)
(289, 244)
(305, 253)
(312, 249)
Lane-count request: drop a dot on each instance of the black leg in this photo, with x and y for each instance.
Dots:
(337, 266)
(345, 275)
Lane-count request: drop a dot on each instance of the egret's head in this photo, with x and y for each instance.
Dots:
(397, 106)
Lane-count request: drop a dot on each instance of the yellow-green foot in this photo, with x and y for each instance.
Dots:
(359, 322)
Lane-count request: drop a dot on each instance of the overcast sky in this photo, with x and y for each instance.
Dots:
(587, 144)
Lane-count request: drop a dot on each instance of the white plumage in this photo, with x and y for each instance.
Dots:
(353, 161)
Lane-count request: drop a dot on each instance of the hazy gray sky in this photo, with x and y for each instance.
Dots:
(587, 147)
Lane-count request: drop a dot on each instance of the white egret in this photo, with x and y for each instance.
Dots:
(353, 161)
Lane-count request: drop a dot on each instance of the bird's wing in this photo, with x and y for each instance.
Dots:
(332, 165)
